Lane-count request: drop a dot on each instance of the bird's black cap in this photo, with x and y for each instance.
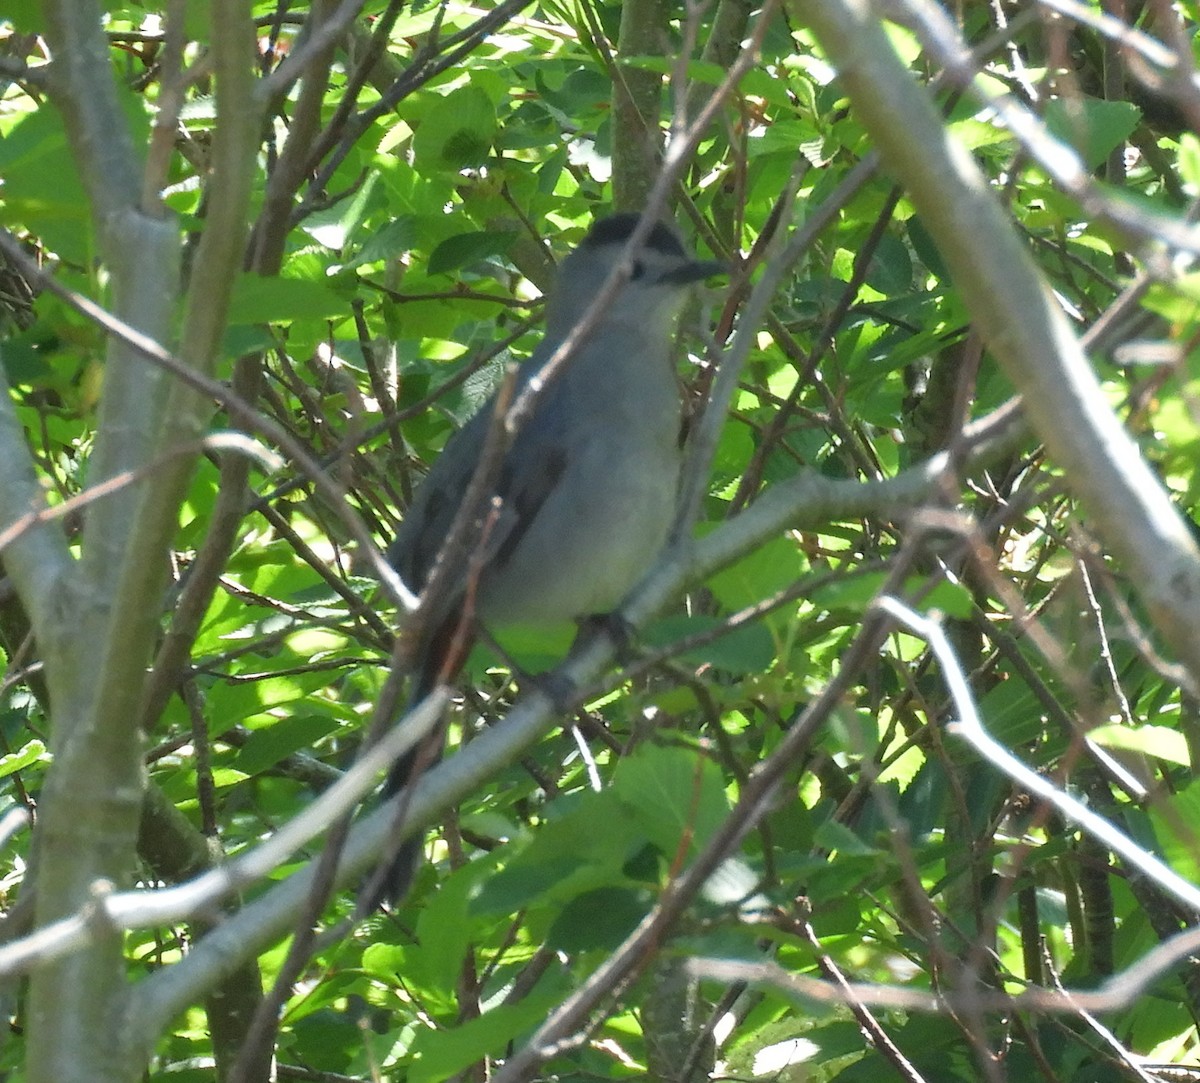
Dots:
(617, 228)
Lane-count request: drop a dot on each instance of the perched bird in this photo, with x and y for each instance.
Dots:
(587, 488)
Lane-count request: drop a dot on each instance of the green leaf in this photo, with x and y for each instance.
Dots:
(676, 795)
(890, 270)
(582, 91)
(25, 15)
(333, 225)
(257, 700)
(446, 925)
(42, 188)
(1092, 126)
(702, 71)
(281, 300)
(227, 776)
(597, 920)
(1189, 160)
(566, 857)
(766, 570)
(466, 248)
(1173, 818)
(1009, 710)
(1162, 742)
(27, 755)
(388, 241)
(326, 1040)
(438, 1055)
(925, 247)
(748, 649)
(457, 132)
(267, 746)
(832, 835)
(857, 592)
(949, 599)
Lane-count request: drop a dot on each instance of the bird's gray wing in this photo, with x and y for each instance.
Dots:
(530, 470)
(427, 522)
(525, 484)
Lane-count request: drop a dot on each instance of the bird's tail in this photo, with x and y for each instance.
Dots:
(437, 662)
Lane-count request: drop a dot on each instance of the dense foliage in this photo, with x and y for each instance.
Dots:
(336, 222)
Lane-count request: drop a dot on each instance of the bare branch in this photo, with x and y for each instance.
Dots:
(970, 729)
(1064, 401)
(38, 559)
(109, 911)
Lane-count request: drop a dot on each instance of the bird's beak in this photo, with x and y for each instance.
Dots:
(696, 271)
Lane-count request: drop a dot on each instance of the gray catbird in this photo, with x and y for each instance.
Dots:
(587, 487)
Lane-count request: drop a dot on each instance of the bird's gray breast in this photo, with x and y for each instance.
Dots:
(607, 514)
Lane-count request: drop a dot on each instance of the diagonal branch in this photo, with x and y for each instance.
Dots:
(1063, 399)
(808, 500)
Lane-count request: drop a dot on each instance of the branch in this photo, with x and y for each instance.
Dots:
(110, 911)
(636, 102)
(807, 500)
(1020, 320)
(291, 168)
(237, 409)
(1120, 991)
(756, 798)
(36, 558)
(218, 259)
(91, 801)
(971, 729)
(310, 50)
(82, 85)
(940, 37)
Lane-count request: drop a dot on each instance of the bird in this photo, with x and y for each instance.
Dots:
(584, 494)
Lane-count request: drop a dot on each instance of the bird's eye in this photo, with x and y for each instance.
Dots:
(638, 269)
